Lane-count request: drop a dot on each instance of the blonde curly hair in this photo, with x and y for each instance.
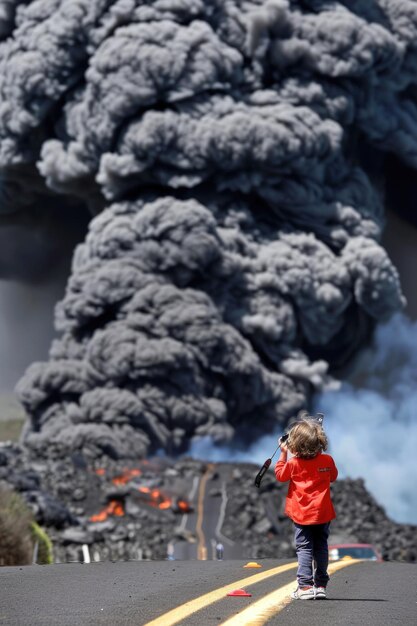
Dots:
(307, 439)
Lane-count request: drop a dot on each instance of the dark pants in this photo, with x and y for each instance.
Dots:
(311, 545)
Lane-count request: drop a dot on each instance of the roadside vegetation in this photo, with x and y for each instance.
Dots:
(20, 536)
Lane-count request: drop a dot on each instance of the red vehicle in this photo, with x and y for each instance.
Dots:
(366, 551)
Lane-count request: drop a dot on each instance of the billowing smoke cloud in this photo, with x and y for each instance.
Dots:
(236, 254)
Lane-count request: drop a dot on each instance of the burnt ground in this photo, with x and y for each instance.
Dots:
(124, 511)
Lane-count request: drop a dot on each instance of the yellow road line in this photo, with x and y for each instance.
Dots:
(258, 613)
(202, 549)
(188, 608)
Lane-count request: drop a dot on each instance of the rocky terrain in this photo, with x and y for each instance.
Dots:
(122, 512)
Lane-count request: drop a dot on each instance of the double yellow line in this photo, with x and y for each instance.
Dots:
(257, 613)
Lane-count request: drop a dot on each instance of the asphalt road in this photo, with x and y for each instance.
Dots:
(208, 495)
(139, 592)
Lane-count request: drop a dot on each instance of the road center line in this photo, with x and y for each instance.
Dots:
(202, 549)
(188, 608)
(258, 613)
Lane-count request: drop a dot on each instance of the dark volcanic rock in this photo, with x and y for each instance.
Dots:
(107, 507)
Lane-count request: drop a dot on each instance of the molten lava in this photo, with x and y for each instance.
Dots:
(150, 496)
(156, 498)
(114, 507)
(183, 506)
(126, 477)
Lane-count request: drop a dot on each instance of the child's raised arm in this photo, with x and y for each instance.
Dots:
(282, 468)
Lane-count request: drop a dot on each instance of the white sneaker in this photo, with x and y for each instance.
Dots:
(303, 593)
(320, 593)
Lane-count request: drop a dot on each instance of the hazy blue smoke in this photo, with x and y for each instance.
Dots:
(372, 423)
(236, 254)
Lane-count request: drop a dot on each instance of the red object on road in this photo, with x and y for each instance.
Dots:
(240, 592)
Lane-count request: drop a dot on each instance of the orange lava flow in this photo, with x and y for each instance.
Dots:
(156, 498)
(183, 506)
(126, 476)
(114, 507)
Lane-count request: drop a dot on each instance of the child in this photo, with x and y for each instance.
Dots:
(308, 503)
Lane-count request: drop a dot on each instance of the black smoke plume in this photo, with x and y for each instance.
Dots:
(231, 152)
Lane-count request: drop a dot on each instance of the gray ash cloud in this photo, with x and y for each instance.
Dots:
(230, 152)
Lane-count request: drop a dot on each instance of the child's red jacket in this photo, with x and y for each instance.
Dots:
(308, 499)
